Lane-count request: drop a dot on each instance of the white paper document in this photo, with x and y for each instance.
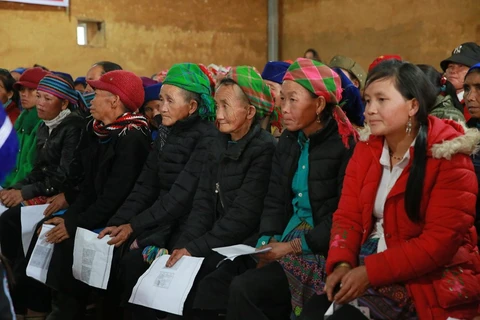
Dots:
(334, 307)
(92, 258)
(239, 250)
(30, 216)
(166, 289)
(39, 262)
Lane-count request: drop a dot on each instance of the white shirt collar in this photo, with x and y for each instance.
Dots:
(460, 95)
(385, 157)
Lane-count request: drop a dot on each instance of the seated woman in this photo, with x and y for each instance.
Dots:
(163, 194)
(150, 108)
(233, 185)
(273, 74)
(447, 105)
(26, 126)
(307, 175)
(112, 165)
(403, 243)
(57, 168)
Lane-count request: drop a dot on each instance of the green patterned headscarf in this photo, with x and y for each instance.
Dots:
(256, 90)
(190, 77)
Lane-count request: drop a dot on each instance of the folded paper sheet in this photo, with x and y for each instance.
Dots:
(92, 258)
(166, 289)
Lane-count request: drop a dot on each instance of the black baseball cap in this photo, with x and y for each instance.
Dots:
(467, 53)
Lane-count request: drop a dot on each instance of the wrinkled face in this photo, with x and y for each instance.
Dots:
(94, 73)
(152, 108)
(28, 97)
(275, 88)
(455, 73)
(101, 108)
(4, 94)
(173, 105)
(386, 110)
(234, 112)
(472, 94)
(49, 106)
(299, 108)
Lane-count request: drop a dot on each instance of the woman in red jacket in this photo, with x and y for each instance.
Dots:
(403, 245)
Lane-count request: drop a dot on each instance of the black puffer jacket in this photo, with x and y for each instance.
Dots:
(229, 199)
(328, 158)
(58, 165)
(164, 191)
(111, 169)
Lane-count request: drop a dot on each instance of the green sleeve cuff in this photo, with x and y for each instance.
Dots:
(264, 240)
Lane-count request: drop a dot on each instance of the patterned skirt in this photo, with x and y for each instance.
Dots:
(306, 273)
(389, 302)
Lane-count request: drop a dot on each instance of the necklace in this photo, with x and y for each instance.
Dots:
(394, 157)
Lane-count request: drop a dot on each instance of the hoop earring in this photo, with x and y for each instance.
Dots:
(408, 130)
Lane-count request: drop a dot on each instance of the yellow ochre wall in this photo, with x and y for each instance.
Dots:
(421, 31)
(143, 36)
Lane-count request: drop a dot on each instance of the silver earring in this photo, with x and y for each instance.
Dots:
(408, 130)
(318, 118)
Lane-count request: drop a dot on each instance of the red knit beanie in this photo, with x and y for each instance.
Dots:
(124, 84)
(30, 78)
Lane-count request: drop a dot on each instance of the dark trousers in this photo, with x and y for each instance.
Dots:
(210, 292)
(130, 268)
(27, 292)
(260, 294)
(10, 233)
(317, 306)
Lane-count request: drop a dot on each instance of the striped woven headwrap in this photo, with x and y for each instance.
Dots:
(256, 90)
(190, 77)
(61, 89)
(316, 78)
(88, 97)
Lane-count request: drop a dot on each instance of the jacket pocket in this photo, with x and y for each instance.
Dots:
(458, 283)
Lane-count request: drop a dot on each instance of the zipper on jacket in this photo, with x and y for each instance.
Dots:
(219, 192)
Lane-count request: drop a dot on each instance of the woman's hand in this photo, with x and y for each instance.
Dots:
(57, 203)
(335, 279)
(59, 233)
(11, 198)
(177, 254)
(119, 234)
(354, 285)
(279, 250)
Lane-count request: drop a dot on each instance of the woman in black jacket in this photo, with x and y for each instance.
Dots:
(163, 194)
(234, 182)
(305, 184)
(57, 167)
(112, 165)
